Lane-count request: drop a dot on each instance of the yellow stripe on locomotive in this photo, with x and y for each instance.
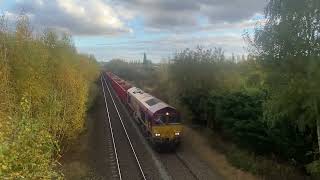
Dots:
(170, 133)
(166, 127)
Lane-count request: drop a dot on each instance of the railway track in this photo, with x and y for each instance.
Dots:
(126, 161)
(177, 167)
(129, 148)
(186, 165)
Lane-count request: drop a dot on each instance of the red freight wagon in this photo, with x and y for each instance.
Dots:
(120, 86)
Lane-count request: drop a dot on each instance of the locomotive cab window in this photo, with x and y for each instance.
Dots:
(166, 119)
(173, 119)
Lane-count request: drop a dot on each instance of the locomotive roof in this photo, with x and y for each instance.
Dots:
(152, 103)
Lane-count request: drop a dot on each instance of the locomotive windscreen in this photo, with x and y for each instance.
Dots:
(166, 119)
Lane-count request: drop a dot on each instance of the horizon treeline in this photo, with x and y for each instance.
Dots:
(45, 89)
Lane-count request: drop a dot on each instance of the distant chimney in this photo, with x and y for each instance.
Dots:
(145, 58)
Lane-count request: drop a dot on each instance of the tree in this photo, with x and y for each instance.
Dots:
(198, 72)
(289, 48)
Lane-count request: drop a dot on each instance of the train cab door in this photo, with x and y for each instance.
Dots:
(149, 121)
(144, 122)
(148, 124)
(142, 117)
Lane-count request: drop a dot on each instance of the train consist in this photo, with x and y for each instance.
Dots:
(159, 121)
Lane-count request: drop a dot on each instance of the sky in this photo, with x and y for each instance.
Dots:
(126, 29)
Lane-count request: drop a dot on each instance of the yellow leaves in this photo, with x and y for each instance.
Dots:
(73, 96)
(43, 95)
(4, 167)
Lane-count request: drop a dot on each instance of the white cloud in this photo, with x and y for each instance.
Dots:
(94, 17)
(231, 43)
(165, 47)
(98, 17)
(175, 15)
(181, 23)
(240, 25)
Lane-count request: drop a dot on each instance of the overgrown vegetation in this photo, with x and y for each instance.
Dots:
(44, 90)
(268, 104)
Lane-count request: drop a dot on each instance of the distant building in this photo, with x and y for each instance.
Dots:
(145, 61)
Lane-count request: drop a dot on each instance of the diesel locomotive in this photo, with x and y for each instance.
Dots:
(159, 122)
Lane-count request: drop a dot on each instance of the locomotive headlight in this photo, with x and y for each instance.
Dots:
(177, 133)
(157, 134)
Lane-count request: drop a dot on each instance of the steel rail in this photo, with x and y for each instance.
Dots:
(125, 130)
(186, 166)
(111, 131)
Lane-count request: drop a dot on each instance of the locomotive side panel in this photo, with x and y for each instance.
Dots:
(140, 112)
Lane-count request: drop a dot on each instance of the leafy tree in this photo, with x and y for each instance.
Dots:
(196, 73)
(289, 48)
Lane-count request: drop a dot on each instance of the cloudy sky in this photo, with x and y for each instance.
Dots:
(128, 28)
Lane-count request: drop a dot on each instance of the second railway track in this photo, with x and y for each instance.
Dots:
(177, 167)
(126, 160)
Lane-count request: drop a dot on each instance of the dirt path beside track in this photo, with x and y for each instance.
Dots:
(198, 144)
(87, 157)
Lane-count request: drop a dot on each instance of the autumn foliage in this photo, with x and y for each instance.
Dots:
(44, 93)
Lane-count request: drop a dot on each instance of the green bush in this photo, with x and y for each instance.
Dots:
(242, 160)
(314, 169)
(239, 115)
(262, 166)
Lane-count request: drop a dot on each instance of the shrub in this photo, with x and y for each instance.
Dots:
(314, 169)
(239, 115)
(242, 160)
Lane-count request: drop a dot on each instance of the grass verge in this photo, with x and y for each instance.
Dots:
(261, 166)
